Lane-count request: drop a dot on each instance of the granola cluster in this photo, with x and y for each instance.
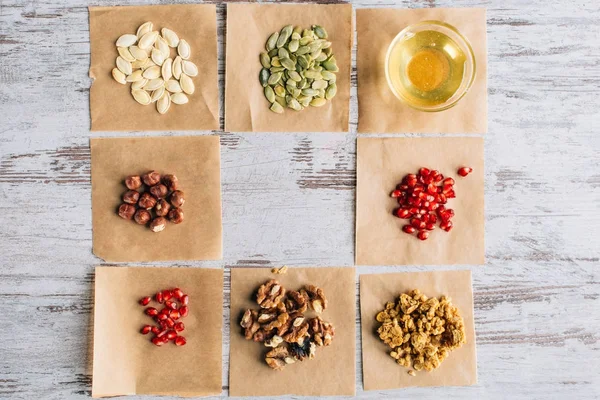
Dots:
(280, 323)
(421, 331)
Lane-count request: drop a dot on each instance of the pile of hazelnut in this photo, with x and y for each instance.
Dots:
(159, 195)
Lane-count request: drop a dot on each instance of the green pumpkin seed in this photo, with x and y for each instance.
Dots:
(326, 45)
(295, 76)
(303, 50)
(297, 30)
(314, 46)
(276, 69)
(331, 91)
(279, 90)
(305, 40)
(319, 84)
(275, 78)
(264, 76)
(291, 83)
(288, 64)
(328, 76)
(310, 92)
(284, 35)
(307, 33)
(321, 57)
(302, 61)
(320, 31)
(321, 93)
(280, 100)
(318, 102)
(330, 66)
(269, 94)
(304, 100)
(272, 41)
(313, 75)
(265, 60)
(276, 108)
(327, 51)
(293, 45)
(275, 62)
(296, 36)
(303, 84)
(272, 53)
(294, 105)
(283, 53)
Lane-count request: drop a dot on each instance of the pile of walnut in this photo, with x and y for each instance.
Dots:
(421, 331)
(140, 207)
(280, 323)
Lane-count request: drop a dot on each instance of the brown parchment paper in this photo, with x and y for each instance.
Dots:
(380, 371)
(381, 165)
(332, 370)
(113, 108)
(195, 160)
(379, 111)
(248, 28)
(127, 363)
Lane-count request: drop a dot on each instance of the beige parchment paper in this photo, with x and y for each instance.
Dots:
(195, 160)
(248, 28)
(380, 371)
(379, 111)
(113, 108)
(381, 165)
(332, 370)
(127, 363)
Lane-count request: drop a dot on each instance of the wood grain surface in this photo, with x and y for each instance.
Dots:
(289, 199)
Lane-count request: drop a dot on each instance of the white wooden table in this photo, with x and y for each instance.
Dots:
(289, 198)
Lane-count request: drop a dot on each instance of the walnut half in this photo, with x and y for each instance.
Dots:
(270, 294)
(322, 332)
(316, 298)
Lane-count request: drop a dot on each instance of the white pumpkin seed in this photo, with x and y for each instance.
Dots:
(139, 84)
(135, 76)
(170, 37)
(152, 72)
(189, 68)
(124, 66)
(137, 64)
(124, 52)
(163, 104)
(144, 28)
(157, 94)
(179, 98)
(119, 76)
(141, 96)
(138, 53)
(157, 56)
(187, 85)
(162, 45)
(154, 84)
(166, 70)
(148, 40)
(173, 86)
(177, 67)
(126, 40)
(148, 64)
(183, 49)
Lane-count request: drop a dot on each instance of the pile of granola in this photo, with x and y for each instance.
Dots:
(281, 325)
(421, 331)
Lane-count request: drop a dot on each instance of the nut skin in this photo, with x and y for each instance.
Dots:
(131, 197)
(176, 215)
(162, 208)
(158, 224)
(151, 178)
(177, 198)
(126, 211)
(142, 217)
(171, 182)
(133, 182)
(147, 201)
(159, 191)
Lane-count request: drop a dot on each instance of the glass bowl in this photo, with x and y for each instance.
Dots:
(391, 63)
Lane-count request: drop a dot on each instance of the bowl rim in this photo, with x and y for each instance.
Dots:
(467, 45)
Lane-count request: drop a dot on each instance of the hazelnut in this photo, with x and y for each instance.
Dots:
(147, 201)
(159, 191)
(142, 216)
(131, 197)
(133, 182)
(126, 211)
(177, 198)
(162, 208)
(158, 224)
(151, 178)
(171, 181)
(176, 215)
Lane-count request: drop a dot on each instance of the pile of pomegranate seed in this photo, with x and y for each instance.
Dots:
(422, 198)
(168, 327)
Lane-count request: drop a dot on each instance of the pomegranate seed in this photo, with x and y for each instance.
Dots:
(171, 335)
(411, 182)
(422, 225)
(180, 341)
(146, 329)
(162, 316)
(151, 311)
(446, 225)
(416, 222)
(443, 199)
(423, 235)
(167, 294)
(179, 327)
(145, 300)
(185, 299)
(433, 206)
(408, 229)
(431, 188)
(448, 181)
(430, 198)
(451, 194)
(157, 341)
(183, 311)
(428, 179)
(155, 330)
(174, 315)
(177, 293)
(409, 177)
(402, 188)
(430, 226)
(424, 171)
(438, 178)
(159, 297)
(162, 333)
(413, 210)
(446, 189)
(396, 193)
(423, 211)
(449, 212)
(403, 213)
(163, 325)
(169, 322)
(464, 171)
(432, 218)
(434, 173)
(171, 305)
